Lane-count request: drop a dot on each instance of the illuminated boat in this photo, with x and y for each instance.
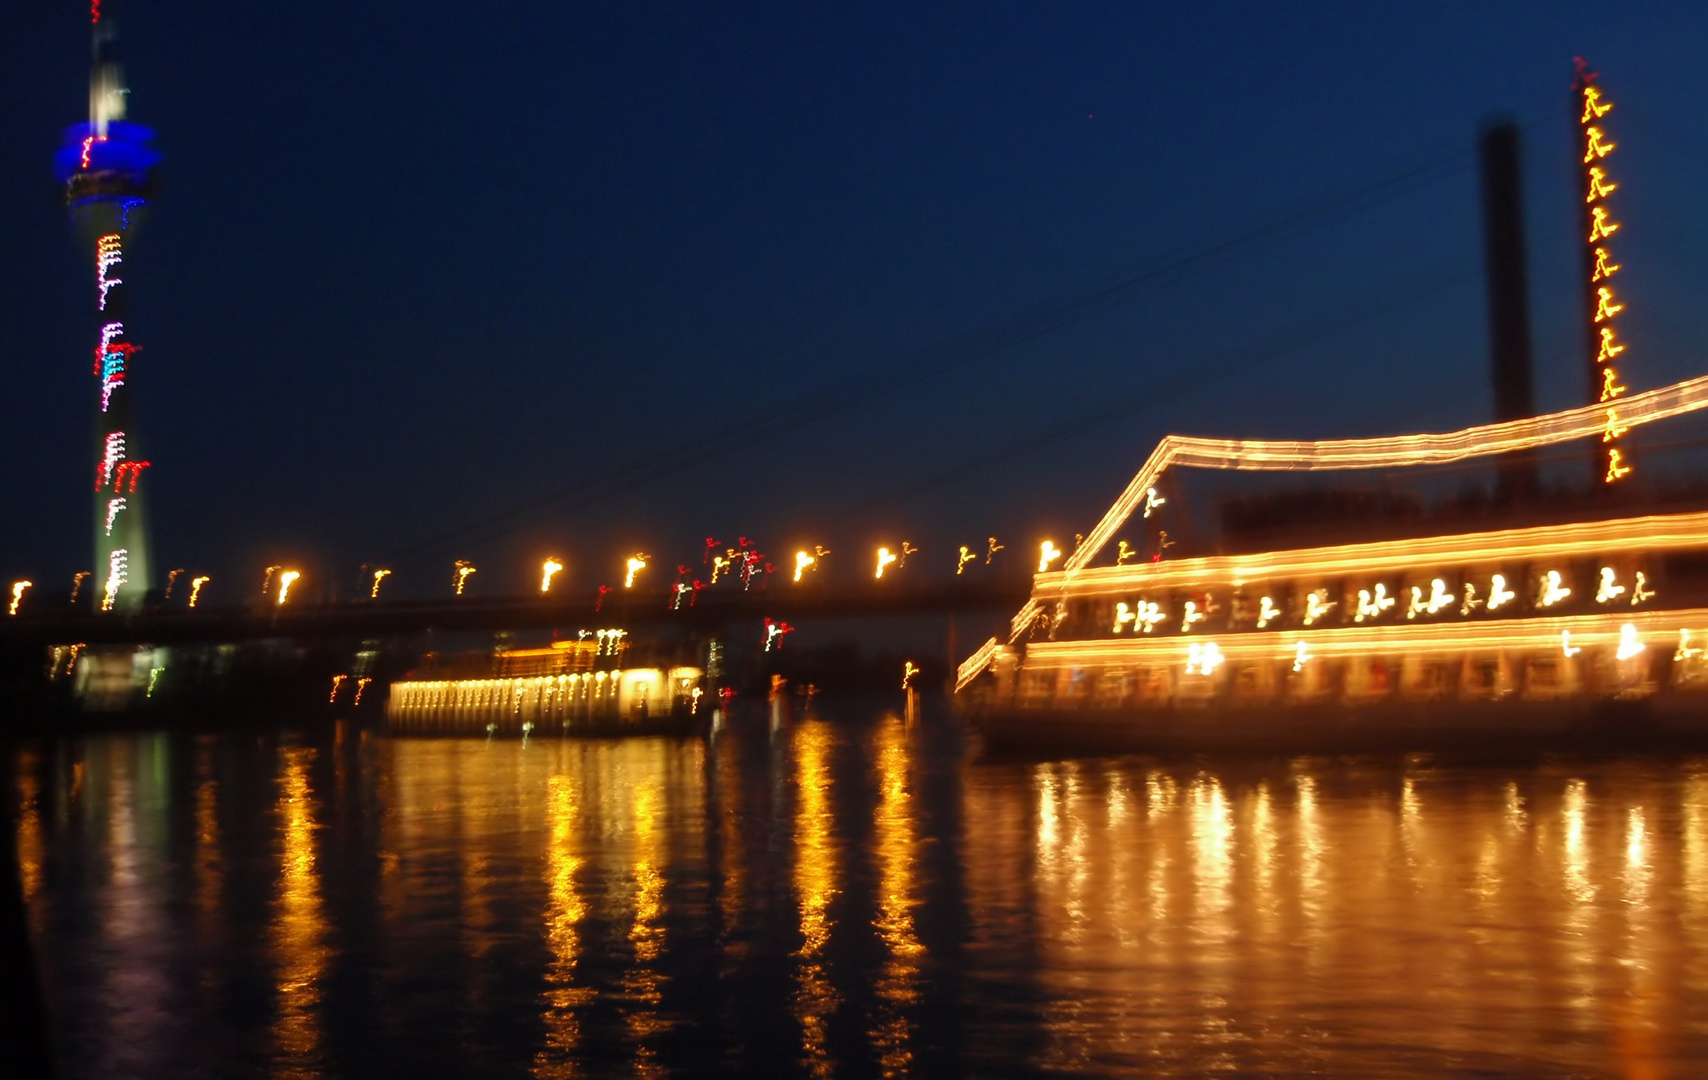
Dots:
(587, 686)
(1580, 619)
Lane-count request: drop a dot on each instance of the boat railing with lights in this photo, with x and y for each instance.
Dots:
(1539, 630)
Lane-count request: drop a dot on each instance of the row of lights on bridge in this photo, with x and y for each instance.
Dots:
(885, 559)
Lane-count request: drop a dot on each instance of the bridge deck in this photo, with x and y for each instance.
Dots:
(631, 611)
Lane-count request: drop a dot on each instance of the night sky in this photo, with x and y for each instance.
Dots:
(432, 281)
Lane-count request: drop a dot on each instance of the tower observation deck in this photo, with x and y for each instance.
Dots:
(105, 166)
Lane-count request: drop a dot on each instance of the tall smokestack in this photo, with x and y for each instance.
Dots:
(1509, 296)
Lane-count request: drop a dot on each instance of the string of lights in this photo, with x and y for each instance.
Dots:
(1621, 536)
(1604, 308)
(1484, 440)
(1622, 630)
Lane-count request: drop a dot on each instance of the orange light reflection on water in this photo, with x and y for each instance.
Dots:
(298, 931)
(29, 824)
(564, 911)
(894, 843)
(209, 873)
(1197, 921)
(816, 876)
(642, 982)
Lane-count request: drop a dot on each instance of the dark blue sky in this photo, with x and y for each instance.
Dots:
(415, 265)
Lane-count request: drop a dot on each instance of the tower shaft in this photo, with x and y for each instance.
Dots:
(106, 166)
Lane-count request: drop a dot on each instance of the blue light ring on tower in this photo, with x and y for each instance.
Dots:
(116, 165)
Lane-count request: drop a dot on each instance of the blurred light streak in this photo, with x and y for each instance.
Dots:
(299, 925)
(1552, 591)
(1621, 632)
(815, 879)
(895, 847)
(885, 559)
(1048, 553)
(1634, 536)
(642, 984)
(118, 565)
(963, 559)
(1483, 440)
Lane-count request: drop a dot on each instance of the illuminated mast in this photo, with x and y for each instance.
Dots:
(1601, 305)
(104, 165)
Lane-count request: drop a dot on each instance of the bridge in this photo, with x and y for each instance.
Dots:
(626, 609)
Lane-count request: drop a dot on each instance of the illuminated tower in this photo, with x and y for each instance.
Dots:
(104, 165)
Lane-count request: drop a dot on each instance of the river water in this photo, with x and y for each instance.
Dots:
(858, 895)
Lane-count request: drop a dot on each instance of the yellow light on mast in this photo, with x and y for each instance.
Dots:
(1609, 348)
(18, 588)
(196, 588)
(636, 563)
(1593, 107)
(1616, 467)
(379, 576)
(885, 558)
(1047, 554)
(1605, 308)
(1594, 148)
(1598, 186)
(286, 580)
(549, 569)
(1610, 386)
(803, 560)
(1614, 427)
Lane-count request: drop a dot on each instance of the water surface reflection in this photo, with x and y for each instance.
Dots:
(856, 896)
